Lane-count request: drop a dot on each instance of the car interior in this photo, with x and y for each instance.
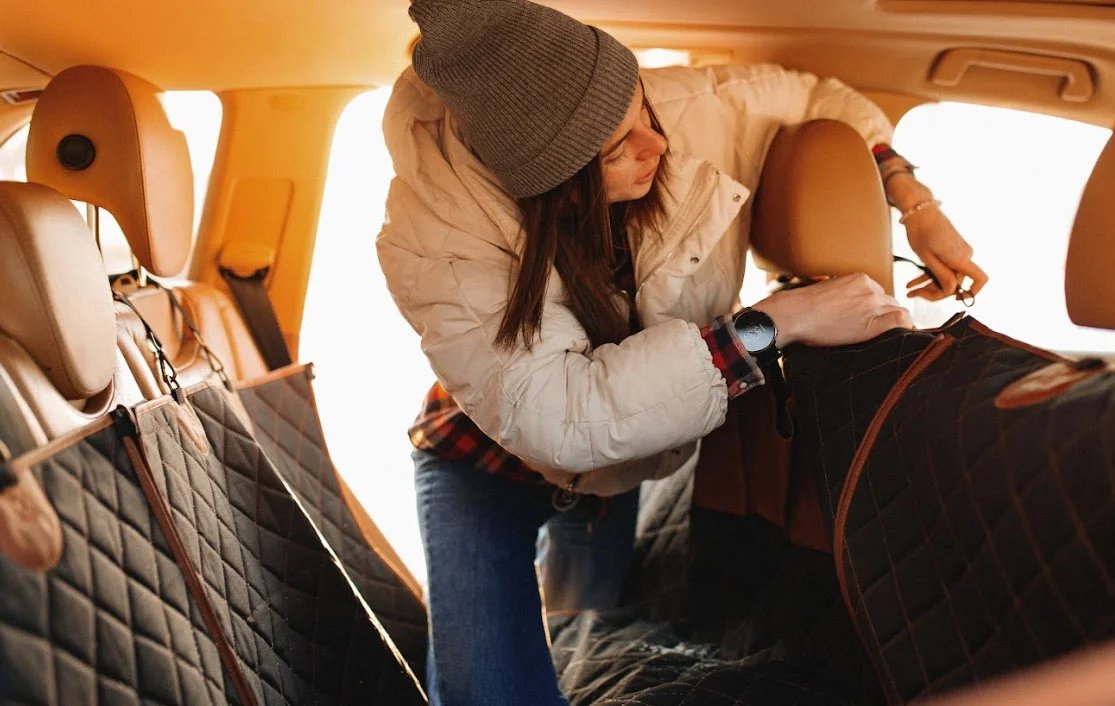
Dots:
(161, 445)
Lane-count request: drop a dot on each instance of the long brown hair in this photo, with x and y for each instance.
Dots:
(569, 228)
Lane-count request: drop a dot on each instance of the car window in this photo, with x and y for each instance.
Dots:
(371, 373)
(196, 113)
(1010, 181)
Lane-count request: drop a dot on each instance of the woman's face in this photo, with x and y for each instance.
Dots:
(630, 157)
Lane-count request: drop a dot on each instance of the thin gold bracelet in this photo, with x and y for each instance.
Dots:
(928, 203)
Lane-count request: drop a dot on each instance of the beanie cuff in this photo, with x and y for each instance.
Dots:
(598, 114)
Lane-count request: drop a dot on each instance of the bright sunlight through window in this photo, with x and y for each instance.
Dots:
(1010, 182)
(371, 372)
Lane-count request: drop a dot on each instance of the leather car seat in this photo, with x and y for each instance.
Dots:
(820, 209)
(1089, 284)
(139, 171)
(58, 342)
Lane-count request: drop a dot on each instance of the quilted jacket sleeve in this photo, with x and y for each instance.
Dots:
(559, 405)
(767, 90)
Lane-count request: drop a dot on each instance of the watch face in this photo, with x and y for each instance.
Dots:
(756, 332)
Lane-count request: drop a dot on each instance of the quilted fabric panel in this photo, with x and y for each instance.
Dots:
(113, 622)
(287, 426)
(979, 539)
(616, 659)
(289, 611)
(736, 587)
(836, 393)
(660, 564)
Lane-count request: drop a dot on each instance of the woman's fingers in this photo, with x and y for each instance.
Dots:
(979, 277)
(922, 279)
(887, 318)
(945, 275)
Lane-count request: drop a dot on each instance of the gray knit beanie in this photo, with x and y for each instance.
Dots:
(536, 92)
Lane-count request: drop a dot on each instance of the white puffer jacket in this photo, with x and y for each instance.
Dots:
(618, 413)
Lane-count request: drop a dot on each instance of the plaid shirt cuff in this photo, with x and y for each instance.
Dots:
(738, 367)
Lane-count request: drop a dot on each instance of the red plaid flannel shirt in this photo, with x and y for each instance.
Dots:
(444, 429)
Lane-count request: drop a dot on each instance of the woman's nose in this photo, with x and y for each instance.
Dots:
(651, 143)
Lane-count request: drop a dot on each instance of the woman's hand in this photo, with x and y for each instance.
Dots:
(936, 241)
(834, 312)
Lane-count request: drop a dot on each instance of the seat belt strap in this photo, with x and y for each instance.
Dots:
(255, 306)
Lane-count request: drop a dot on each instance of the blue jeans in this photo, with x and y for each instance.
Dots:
(488, 642)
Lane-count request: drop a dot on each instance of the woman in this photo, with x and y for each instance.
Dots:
(574, 276)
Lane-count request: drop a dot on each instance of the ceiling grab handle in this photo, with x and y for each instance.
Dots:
(952, 65)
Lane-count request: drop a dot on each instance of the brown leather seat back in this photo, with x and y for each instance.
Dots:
(1089, 278)
(58, 345)
(820, 209)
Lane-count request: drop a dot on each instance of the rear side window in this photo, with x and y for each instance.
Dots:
(1010, 181)
(196, 113)
(371, 373)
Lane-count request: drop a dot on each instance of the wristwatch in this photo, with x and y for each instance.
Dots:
(759, 334)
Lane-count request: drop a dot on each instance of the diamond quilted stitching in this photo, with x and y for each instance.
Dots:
(615, 659)
(979, 540)
(111, 623)
(290, 613)
(286, 424)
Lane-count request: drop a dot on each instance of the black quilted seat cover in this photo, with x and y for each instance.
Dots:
(734, 590)
(113, 622)
(297, 625)
(836, 392)
(286, 423)
(618, 659)
(977, 539)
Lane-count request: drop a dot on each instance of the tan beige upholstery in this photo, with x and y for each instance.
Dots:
(1090, 269)
(141, 171)
(59, 350)
(215, 316)
(820, 208)
(141, 174)
(55, 301)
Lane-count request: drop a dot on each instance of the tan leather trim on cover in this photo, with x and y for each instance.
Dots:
(932, 352)
(1015, 343)
(30, 458)
(55, 301)
(161, 511)
(141, 173)
(820, 208)
(1089, 284)
(1043, 384)
(30, 531)
(277, 374)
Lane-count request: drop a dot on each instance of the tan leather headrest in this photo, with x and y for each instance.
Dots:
(54, 295)
(140, 169)
(820, 207)
(1090, 269)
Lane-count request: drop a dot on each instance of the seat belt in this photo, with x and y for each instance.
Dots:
(255, 306)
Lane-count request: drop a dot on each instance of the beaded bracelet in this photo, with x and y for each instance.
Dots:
(928, 203)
